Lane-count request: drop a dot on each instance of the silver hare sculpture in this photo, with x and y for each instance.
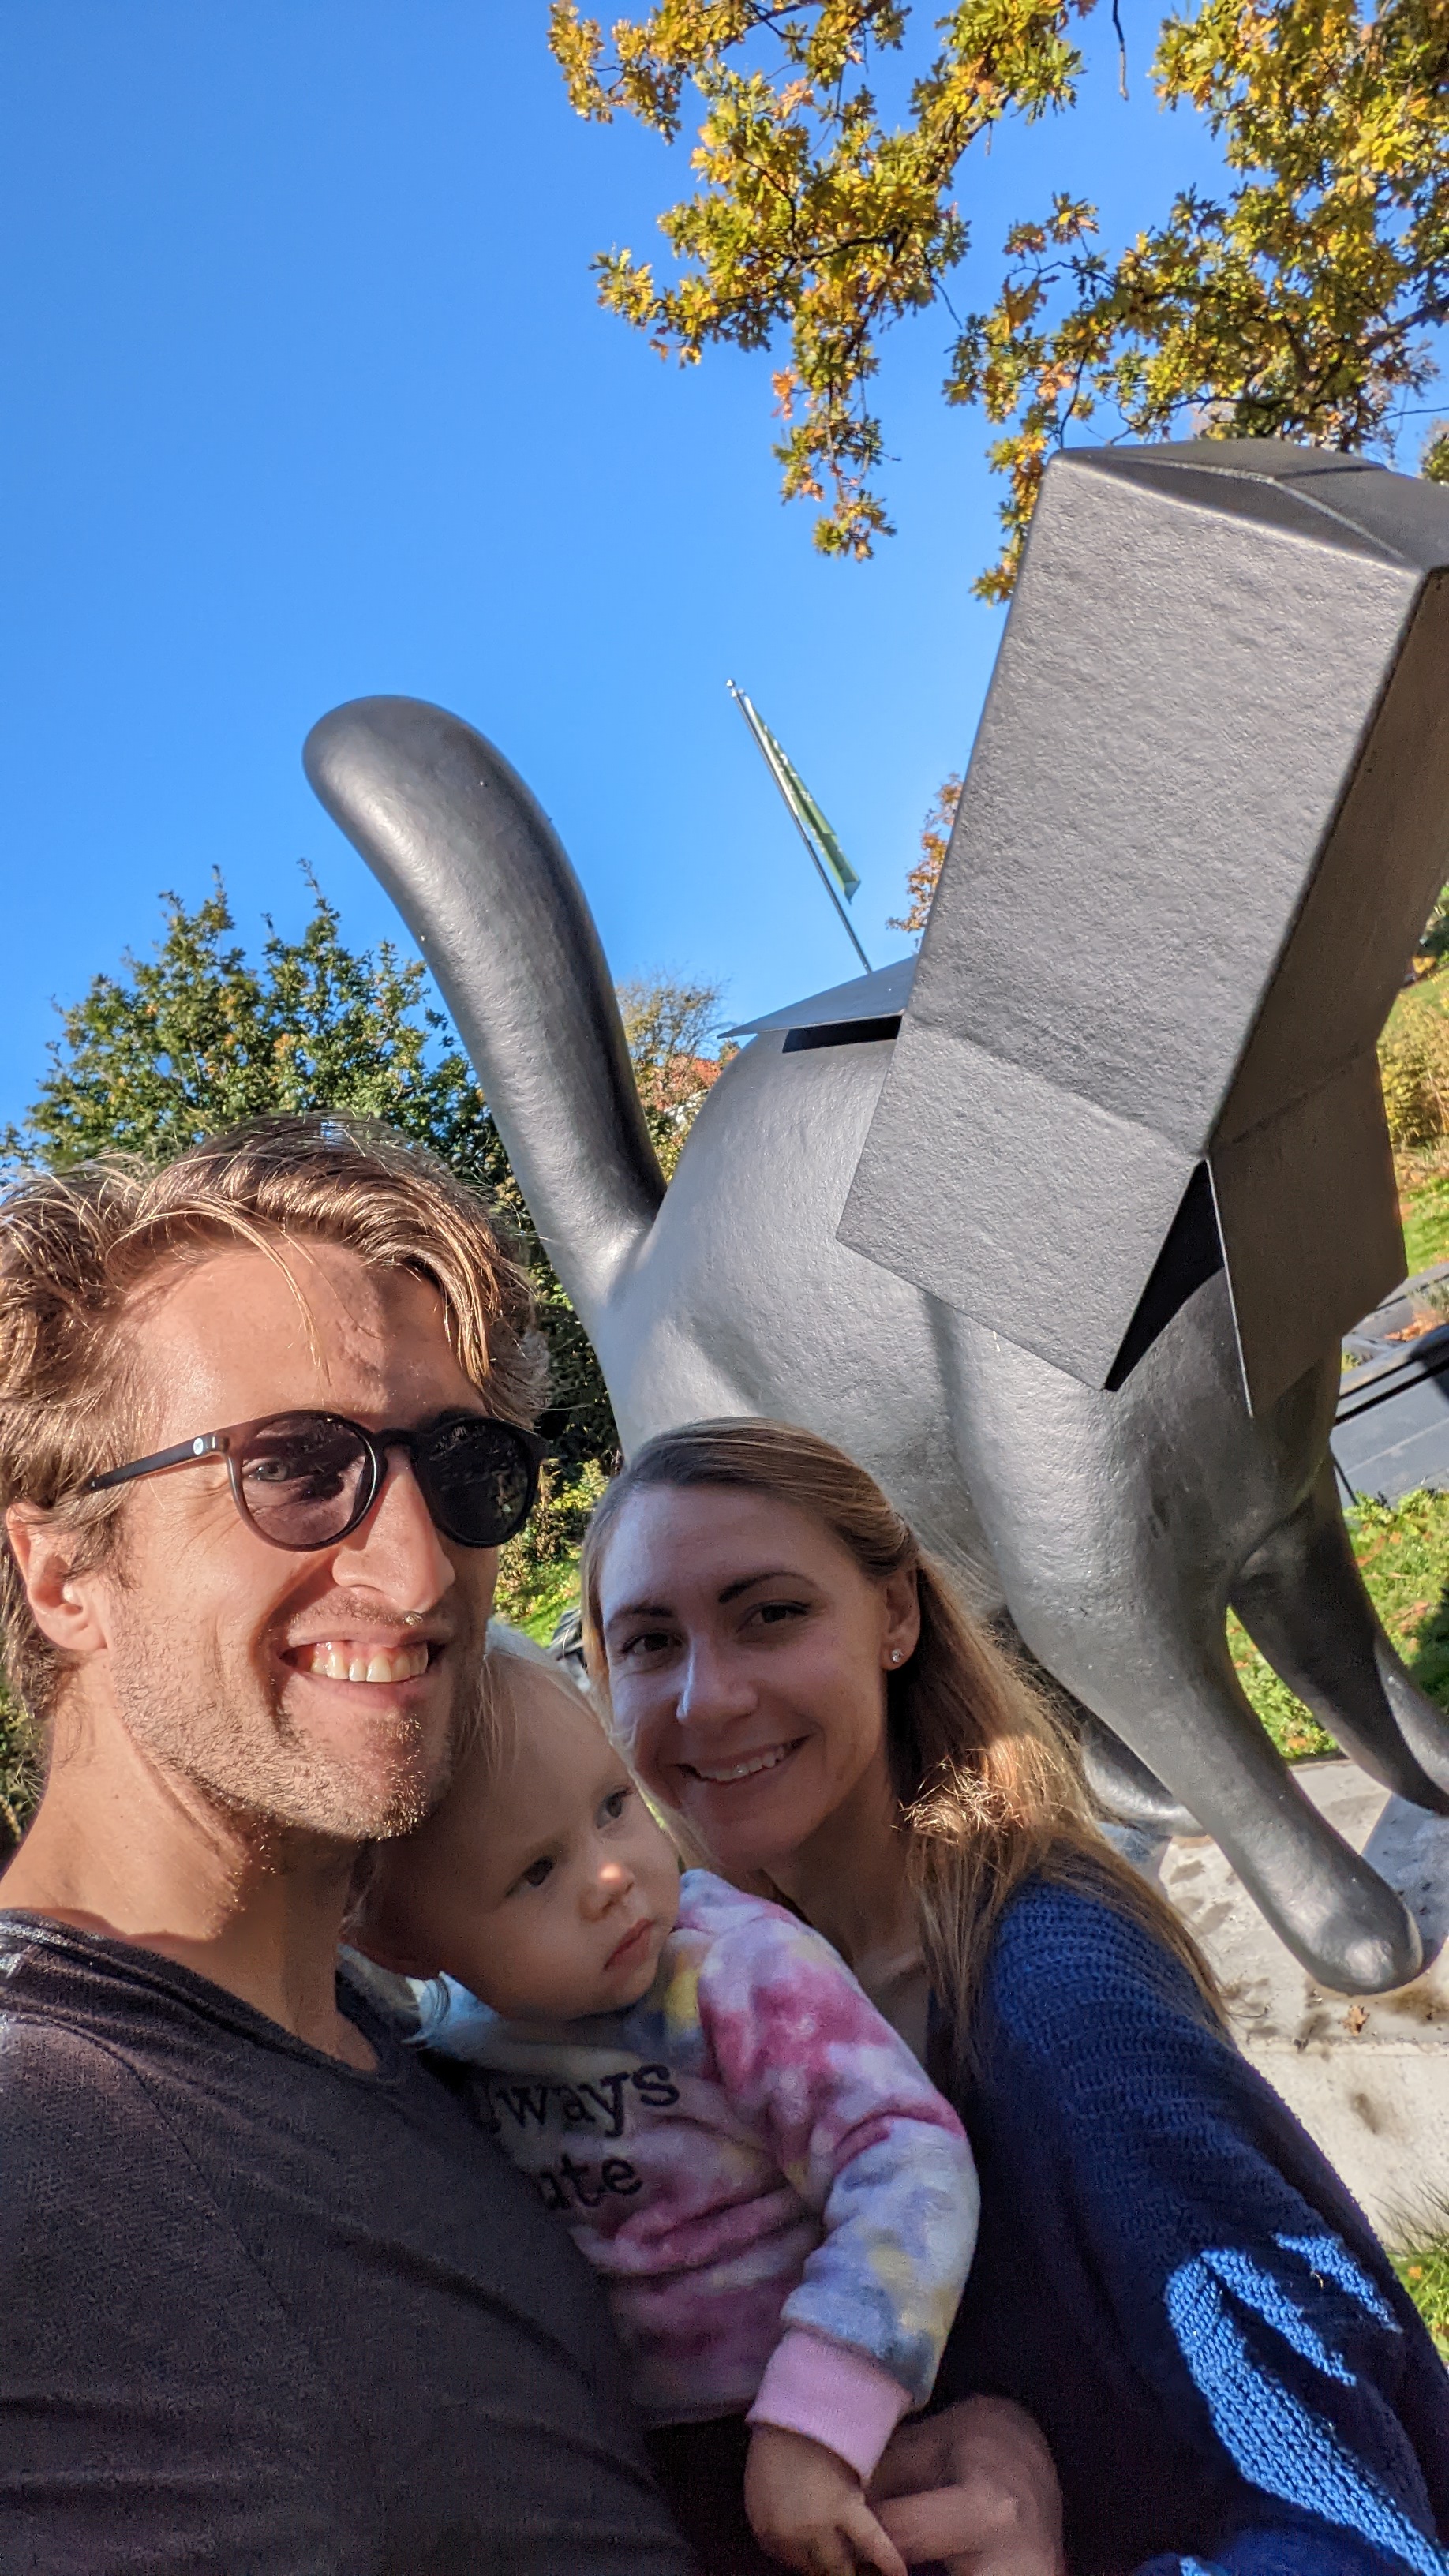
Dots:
(1059, 1239)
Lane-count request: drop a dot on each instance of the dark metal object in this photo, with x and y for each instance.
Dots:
(1417, 1307)
(1391, 1430)
(567, 1645)
(1114, 1528)
(841, 1033)
(1203, 825)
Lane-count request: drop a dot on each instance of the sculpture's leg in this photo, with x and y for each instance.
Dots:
(1118, 1524)
(1302, 1600)
(1122, 1786)
(1160, 1667)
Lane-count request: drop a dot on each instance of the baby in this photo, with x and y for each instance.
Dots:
(782, 2208)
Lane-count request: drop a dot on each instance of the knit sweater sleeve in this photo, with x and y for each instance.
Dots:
(840, 2104)
(1240, 2277)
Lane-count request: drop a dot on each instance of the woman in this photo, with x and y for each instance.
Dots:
(1170, 2278)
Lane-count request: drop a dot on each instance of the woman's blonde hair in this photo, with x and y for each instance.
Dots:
(988, 1781)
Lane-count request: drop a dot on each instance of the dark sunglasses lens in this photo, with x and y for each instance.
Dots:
(301, 1475)
(480, 1479)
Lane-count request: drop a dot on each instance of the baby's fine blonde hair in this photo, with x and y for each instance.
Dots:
(510, 1652)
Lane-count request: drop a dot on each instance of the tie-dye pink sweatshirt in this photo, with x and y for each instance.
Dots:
(782, 2207)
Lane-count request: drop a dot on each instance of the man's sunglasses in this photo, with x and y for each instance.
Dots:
(306, 1480)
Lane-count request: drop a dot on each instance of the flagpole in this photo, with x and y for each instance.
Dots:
(747, 711)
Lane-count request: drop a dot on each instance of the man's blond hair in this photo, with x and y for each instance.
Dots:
(77, 1246)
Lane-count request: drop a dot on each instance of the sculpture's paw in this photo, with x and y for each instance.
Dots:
(1344, 1923)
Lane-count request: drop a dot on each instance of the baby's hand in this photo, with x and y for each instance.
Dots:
(973, 2489)
(806, 2507)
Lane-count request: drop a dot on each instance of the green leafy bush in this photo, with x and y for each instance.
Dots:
(1414, 1064)
(19, 1770)
(538, 1572)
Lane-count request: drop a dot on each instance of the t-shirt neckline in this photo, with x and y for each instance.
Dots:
(137, 1965)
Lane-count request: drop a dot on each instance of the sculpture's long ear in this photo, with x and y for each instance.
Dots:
(479, 876)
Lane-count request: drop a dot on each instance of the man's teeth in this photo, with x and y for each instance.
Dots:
(343, 1661)
(742, 1770)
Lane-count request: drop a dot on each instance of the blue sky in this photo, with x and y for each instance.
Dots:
(308, 395)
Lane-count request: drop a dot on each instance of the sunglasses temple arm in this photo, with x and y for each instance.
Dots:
(184, 1451)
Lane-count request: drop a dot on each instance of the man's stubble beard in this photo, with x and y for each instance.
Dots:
(230, 1737)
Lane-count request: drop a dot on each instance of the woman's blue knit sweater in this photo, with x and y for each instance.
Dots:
(1175, 2283)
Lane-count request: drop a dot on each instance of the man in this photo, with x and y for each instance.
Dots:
(269, 2299)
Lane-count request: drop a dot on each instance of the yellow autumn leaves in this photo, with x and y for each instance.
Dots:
(1296, 302)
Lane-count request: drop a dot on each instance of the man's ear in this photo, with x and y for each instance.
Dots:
(64, 1604)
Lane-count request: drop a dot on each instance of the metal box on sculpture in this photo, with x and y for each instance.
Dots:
(1156, 964)
(1391, 1431)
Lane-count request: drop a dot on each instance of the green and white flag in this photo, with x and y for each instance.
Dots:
(831, 864)
(802, 804)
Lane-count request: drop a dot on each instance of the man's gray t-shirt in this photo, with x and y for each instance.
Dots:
(265, 2315)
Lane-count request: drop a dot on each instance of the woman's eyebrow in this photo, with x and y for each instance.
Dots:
(637, 1610)
(745, 1583)
(771, 1574)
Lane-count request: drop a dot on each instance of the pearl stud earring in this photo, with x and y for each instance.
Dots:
(895, 1654)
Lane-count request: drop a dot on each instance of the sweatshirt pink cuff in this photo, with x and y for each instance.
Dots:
(833, 2395)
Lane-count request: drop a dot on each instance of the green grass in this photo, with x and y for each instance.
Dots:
(1296, 1733)
(1424, 1206)
(1424, 2270)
